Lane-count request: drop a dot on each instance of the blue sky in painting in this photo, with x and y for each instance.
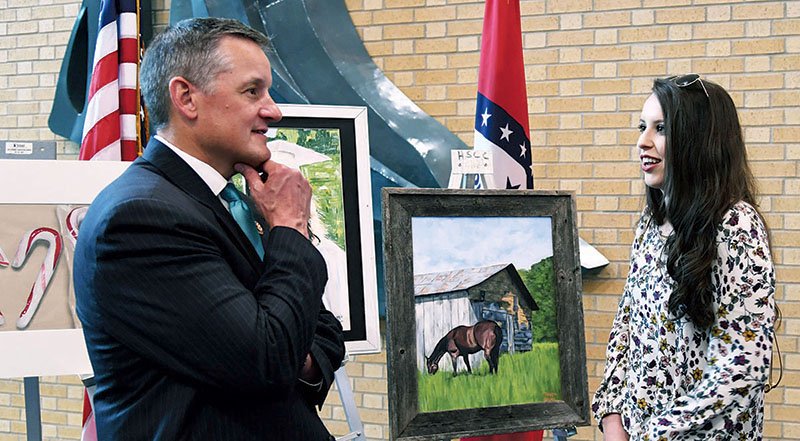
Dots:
(448, 243)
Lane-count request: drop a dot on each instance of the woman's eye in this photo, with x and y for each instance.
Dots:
(642, 128)
(660, 128)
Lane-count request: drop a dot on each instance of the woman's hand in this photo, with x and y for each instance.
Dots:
(613, 430)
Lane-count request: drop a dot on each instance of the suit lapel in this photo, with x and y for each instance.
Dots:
(175, 170)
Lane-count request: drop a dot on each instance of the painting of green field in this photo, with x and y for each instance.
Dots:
(325, 177)
(522, 378)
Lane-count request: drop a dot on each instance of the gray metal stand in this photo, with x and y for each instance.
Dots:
(349, 404)
(563, 434)
(33, 409)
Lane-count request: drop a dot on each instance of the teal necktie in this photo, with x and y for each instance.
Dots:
(241, 214)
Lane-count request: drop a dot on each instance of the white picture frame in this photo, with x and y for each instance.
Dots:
(362, 330)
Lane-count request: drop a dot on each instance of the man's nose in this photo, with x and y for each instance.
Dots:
(270, 111)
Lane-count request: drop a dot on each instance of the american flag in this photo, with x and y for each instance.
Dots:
(501, 115)
(89, 428)
(111, 127)
(112, 116)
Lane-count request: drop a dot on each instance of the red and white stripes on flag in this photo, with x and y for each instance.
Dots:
(89, 428)
(110, 130)
(112, 116)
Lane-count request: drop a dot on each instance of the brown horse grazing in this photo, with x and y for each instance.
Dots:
(462, 341)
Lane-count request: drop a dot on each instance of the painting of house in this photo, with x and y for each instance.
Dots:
(446, 299)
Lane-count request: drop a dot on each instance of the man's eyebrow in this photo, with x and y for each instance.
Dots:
(255, 81)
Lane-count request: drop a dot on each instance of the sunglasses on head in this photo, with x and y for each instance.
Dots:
(688, 80)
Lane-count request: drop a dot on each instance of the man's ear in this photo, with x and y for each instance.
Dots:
(183, 95)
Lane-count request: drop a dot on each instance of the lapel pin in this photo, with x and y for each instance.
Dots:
(259, 228)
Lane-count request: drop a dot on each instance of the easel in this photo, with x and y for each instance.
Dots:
(563, 434)
(469, 166)
(349, 405)
(33, 409)
(471, 180)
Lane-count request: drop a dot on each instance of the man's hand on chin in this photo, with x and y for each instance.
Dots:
(284, 196)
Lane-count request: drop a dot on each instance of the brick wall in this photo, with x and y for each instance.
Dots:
(33, 36)
(589, 64)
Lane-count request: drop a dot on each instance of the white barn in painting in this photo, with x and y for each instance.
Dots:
(448, 299)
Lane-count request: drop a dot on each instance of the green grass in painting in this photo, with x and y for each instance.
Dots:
(522, 378)
(326, 181)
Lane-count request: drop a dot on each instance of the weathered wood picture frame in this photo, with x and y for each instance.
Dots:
(569, 406)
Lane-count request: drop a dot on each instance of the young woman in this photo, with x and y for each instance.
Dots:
(690, 349)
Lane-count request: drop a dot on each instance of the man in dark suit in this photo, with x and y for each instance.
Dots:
(192, 336)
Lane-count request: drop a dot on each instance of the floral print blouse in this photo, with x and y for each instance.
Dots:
(670, 381)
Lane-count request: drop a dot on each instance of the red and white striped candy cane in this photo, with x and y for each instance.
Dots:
(45, 272)
(74, 219)
(3, 258)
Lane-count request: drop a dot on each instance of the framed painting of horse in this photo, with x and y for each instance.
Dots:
(484, 317)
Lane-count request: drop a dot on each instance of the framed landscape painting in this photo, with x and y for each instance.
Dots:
(330, 146)
(484, 315)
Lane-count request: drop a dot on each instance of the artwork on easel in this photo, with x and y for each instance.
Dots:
(327, 223)
(39, 330)
(329, 145)
(483, 312)
(37, 286)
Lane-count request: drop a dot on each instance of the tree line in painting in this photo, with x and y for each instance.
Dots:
(540, 280)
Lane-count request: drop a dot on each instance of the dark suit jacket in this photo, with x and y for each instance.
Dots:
(190, 335)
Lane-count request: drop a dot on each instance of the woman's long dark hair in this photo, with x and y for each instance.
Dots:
(706, 173)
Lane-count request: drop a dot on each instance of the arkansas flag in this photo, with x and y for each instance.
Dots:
(501, 117)
(501, 120)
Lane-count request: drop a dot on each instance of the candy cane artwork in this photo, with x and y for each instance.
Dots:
(53, 239)
(3, 258)
(74, 219)
(70, 224)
